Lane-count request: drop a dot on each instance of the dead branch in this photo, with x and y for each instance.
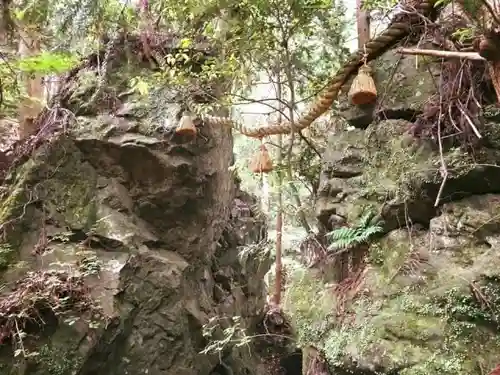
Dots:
(443, 54)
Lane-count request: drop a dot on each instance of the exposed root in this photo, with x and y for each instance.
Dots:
(312, 250)
(314, 362)
(275, 339)
(412, 264)
(456, 108)
(276, 324)
(50, 122)
(347, 290)
(318, 366)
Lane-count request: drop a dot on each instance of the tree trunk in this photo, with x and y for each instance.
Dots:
(291, 106)
(363, 23)
(31, 105)
(279, 216)
(264, 200)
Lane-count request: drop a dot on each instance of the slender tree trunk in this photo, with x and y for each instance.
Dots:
(265, 201)
(32, 104)
(279, 216)
(363, 23)
(291, 106)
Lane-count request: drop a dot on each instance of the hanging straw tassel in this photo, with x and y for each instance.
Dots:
(363, 89)
(186, 126)
(261, 162)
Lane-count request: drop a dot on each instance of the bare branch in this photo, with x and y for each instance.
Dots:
(444, 54)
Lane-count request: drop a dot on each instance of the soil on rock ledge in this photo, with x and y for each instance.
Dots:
(154, 222)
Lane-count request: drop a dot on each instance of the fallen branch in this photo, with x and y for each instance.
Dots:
(444, 54)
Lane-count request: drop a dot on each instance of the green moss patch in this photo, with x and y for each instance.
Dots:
(309, 306)
(56, 360)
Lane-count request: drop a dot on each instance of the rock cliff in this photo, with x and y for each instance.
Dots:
(425, 299)
(122, 240)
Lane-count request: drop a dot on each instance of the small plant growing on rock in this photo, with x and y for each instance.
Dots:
(39, 295)
(232, 335)
(351, 243)
(346, 237)
(89, 264)
(6, 252)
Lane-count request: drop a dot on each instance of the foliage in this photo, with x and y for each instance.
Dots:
(46, 63)
(232, 335)
(346, 237)
(58, 360)
(89, 264)
(40, 294)
(6, 253)
(480, 306)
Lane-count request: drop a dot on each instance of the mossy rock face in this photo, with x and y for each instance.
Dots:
(57, 178)
(148, 219)
(428, 301)
(403, 88)
(386, 170)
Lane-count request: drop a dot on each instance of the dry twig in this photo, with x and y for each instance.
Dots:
(444, 54)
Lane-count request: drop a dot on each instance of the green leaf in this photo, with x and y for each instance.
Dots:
(47, 63)
(186, 43)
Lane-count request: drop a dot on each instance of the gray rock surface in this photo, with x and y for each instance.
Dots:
(159, 218)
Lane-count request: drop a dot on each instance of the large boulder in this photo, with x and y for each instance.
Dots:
(122, 241)
(429, 301)
(387, 170)
(424, 301)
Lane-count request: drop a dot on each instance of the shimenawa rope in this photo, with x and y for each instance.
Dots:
(374, 48)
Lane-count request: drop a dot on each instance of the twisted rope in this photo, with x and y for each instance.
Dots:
(374, 48)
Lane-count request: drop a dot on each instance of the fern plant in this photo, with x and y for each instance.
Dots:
(346, 237)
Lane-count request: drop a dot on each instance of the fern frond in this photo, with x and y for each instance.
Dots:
(365, 219)
(345, 237)
(373, 230)
(342, 233)
(340, 244)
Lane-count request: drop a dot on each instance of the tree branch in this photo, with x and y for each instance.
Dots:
(443, 54)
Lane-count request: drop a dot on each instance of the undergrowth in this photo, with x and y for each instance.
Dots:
(480, 306)
(39, 295)
(345, 237)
